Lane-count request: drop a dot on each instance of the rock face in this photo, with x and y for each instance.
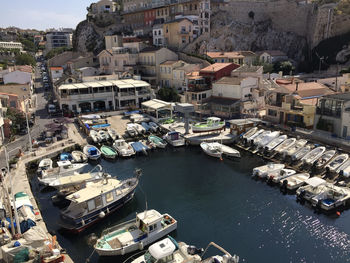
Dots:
(87, 39)
(227, 34)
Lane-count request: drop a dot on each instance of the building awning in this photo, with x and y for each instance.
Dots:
(67, 86)
(156, 104)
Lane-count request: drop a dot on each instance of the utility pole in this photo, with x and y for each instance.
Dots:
(28, 129)
(319, 67)
(336, 79)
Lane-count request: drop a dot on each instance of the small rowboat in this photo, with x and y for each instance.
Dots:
(108, 152)
(159, 142)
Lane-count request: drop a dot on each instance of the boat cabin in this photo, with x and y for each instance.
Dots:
(149, 221)
(240, 126)
(95, 196)
(213, 121)
(162, 250)
(119, 143)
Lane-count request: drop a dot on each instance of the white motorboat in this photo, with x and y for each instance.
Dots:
(103, 136)
(148, 226)
(139, 128)
(79, 157)
(301, 153)
(138, 118)
(62, 182)
(268, 138)
(113, 134)
(255, 135)
(92, 152)
(131, 130)
(212, 124)
(325, 158)
(285, 145)
(96, 201)
(314, 186)
(263, 171)
(123, 148)
(295, 181)
(250, 132)
(337, 162)
(157, 141)
(226, 150)
(64, 168)
(175, 139)
(313, 155)
(44, 164)
(94, 136)
(256, 140)
(170, 251)
(331, 197)
(344, 170)
(154, 127)
(277, 177)
(295, 148)
(210, 150)
(275, 142)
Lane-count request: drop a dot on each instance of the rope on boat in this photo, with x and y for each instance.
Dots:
(218, 247)
(88, 259)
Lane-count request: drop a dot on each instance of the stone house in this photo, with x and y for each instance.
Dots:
(103, 6)
(56, 72)
(238, 57)
(271, 56)
(178, 33)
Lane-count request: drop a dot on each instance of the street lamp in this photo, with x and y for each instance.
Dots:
(28, 129)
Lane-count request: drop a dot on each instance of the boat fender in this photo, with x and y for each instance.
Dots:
(123, 251)
(107, 210)
(141, 246)
(83, 222)
(101, 214)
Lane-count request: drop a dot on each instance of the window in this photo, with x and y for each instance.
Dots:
(204, 95)
(13, 104)
(206, 29)
(169, 70)
(98, 201)
(155, 32)
(167, 29)
(189, 28)
(159, 32)
(116, 63)
(161, 69)
(206, 5)
(183, 40)
(222, 60)
(91, 205)
(183, 29)
(74, 107)
(109, 196)
(272, 113)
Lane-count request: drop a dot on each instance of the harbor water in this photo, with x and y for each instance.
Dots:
(216, 201)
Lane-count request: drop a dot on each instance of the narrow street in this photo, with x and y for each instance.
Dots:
(42, 118)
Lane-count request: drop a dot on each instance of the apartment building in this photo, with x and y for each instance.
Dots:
(178, 33)
(11, 45)
(59, 38)
(103, 95)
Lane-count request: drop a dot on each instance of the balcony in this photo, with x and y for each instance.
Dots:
(126, 94)
(183, 32)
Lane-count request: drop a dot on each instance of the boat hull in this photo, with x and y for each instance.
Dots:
(137, 246)
(207, 129)
(80, 224)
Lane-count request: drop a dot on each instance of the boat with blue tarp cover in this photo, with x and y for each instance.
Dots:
(99, 126)
(66, 157)
(139, 147)
(92, 152)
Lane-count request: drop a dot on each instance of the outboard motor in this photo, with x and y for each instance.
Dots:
(328, 172)
(341, 173)
(192, 250)
(283, 187)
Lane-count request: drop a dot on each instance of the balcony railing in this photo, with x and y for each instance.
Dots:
(183, 32)
(126, 94)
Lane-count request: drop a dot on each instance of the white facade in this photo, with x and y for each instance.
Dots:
(88, 71)
(158, 36)
(11, 45)
(204, 16)
(56, 72)
(104, 95)
(18, 77)
(235, 88)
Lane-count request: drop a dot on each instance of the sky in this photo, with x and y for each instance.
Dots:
(43, 14)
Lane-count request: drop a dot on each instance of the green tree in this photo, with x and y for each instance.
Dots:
(28, 45)
(17, 117)
(25, 59)
(285, 66)
(268, 68)
(168, 94)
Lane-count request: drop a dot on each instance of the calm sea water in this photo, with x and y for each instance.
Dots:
(217, 201)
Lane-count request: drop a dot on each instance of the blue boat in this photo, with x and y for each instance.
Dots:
(129, 113)
(98, 126)
(146, 126)
(66, 157)
(92, 152)
(139, 147)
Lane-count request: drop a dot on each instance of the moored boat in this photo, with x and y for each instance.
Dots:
(264, 170)
(295, 181)
(337, 162)
(314, 186)
(148, 226)
(250, 132)
(123, 148)
(92, 152)
(154, 127)
(325, 158)
(94, 136)
(277, 177)
(256, 140)
(268, 138)
(108, 152)
(313, 155)
(139, 128)
(159, 142)
(96, 201)
(275, 142)
(226, 150)
(251, 138)
(211, 150)
(44, 164)
(112, 133)
(146, 126)
(301, 153)
(331, 197)
(79, 157)
(66, 157)
(131, 130)
(103, 136)
(295, 148)
(139, 147)
(64, 168)
(212, 124)
(344, 170)
(175, 139)
(285, 145)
